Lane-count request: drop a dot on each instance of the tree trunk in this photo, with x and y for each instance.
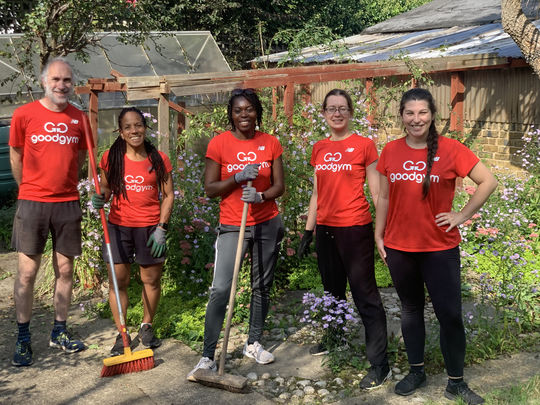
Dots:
(522, 31)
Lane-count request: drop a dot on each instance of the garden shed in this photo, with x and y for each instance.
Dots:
(494, 105)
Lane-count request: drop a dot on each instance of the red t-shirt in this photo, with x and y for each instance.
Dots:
(410, 223)
(142, 207)
(340, 167)
(50, 143)
(233, 154)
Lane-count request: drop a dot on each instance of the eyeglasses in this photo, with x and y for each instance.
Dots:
(239, 92)
(333, 110)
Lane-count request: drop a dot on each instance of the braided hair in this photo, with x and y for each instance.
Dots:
(251, 96)
(432, 138)
(115, 160)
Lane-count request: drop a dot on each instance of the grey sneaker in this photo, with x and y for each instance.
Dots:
(257, 352)
(204, 363)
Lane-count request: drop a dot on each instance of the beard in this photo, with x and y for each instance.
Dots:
(57, 98)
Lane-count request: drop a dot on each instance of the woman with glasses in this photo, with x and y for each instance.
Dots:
(417, 236)
(232, 159)
(344, 239)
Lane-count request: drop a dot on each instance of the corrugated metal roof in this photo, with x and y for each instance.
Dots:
(454, 41)
(446, 14)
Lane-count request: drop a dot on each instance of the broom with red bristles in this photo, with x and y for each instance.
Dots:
(128, 362)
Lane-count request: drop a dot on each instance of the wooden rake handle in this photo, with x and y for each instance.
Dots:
(237, 263)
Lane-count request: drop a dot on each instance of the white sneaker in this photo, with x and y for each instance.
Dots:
(204, 363)
(257, 352)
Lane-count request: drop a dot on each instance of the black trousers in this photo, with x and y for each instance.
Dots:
(347, 253)
(441, 273)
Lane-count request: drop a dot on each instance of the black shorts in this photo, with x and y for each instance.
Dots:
(128, 245)
(33, 221)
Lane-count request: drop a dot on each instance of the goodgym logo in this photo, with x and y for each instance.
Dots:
(331, 163)
(54, 133)
(135, 183)
(412, 173)
(246, 159)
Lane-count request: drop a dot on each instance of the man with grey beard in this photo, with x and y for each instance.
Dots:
(47, 148)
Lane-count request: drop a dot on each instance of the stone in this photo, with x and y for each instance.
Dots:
(252, 376)
(323, 392)
(279, 380)
(298, 393)
(396, 370)
(284, 396)
(398, 377)
(338, 381)
(303, 383)
(292, 330)
(265, 376)
(308, 390)
(321, 384)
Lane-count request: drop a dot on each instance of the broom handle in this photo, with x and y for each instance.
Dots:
(91, 158)
(237, 263)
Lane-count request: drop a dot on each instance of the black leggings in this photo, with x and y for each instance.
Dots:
(441, 273)
(348, 253)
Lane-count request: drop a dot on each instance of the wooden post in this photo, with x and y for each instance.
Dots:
(274, 103)
(288, 101)
(457, 95)
(163, 118)
(93, 120)
(370, 100)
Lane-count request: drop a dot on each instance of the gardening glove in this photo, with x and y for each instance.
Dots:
(250, 172)
(250, 195)
(303, 248)
(98, 201)
(157, 242)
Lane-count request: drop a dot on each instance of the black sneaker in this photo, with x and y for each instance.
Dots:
(410, 383)
(118, 347)
(375, 377)
(63, 341)
(147, 337)
(318, 350)
(23, 354)
(462, 391)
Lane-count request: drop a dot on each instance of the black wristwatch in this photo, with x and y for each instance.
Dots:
(163, 225)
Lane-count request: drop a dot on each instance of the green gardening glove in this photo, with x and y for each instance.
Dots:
(157, 242)
(98, 201)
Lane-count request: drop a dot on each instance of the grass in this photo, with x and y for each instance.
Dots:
(527, 393)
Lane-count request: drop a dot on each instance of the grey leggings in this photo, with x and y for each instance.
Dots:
(263, 241)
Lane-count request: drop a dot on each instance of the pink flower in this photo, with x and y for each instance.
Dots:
(290, 252)
(531, 225)
(467, 222)
(533, 235)
(185, 260)
(209, 266)
(476, 216)
(188, 229)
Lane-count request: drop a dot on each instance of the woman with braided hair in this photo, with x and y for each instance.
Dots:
(136, 174)
(417, 236)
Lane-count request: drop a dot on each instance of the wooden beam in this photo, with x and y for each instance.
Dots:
(457, 93)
